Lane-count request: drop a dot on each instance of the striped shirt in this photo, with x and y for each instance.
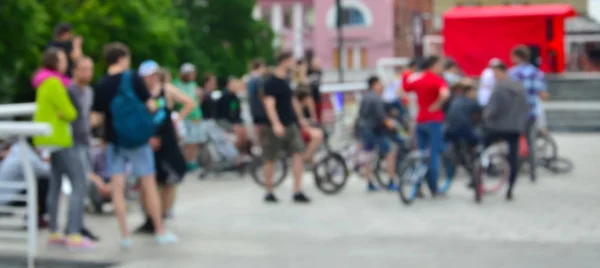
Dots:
(533, 82)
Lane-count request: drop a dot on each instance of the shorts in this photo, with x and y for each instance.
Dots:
(225, 125)
(372, 141)
(194, 132)
(141, 160)
(273, 146)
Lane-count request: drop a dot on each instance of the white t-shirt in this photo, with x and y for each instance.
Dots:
(487, 82)
(390, 93)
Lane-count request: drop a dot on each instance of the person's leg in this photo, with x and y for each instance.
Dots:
(513, 161)
(167, 197)
(116, 170)
(368, 146)
(385, 148)
(270, 152)
(436, 136)
(316, 138)
(242, 137)
(294, 145)
(142, 160)
(54, 191)
(531, 132)
(43, 186)
(193, 136)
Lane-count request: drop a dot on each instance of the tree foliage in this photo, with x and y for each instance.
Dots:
(217, 36)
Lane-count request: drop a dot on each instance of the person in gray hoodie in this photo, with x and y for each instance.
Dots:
(505, 117)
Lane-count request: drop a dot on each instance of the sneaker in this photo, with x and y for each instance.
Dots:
(301, 198)
(371, 187)
(78, 242)
(271, 198)
(85, 232)
(146, 228)
(166, 238)
(192, 166)
(392, 187)
(126, 243)
(56, 239)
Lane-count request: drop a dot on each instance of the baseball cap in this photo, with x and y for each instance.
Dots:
(187, 68)
(494, 62)
(147, 68)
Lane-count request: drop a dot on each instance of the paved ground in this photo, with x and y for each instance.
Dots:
(223, 223)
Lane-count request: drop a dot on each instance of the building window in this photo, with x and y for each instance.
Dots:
(287, 18)
(352, 17)
(354, 14)
(352, 58)
(309, 18)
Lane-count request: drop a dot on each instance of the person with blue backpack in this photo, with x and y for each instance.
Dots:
(123, 105)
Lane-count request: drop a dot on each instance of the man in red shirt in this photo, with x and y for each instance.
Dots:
(410, 69)
(432, 92)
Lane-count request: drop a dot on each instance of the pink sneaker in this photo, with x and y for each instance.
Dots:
(78, 242)
(56, 239)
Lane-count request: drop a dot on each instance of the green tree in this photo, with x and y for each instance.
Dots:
(23, 24)
(221, 36)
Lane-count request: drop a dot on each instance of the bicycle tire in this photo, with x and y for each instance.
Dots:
(559, 165)
(548, 148)
(278, 178)
(410, 179)
(379, 173)
(325, 182)
(477, 182)
(499, 164)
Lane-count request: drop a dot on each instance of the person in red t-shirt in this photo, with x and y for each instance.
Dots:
(432, 92)
(410, 69)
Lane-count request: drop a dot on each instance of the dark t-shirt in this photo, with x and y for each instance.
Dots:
(280, 90)
(461, 114)
(315, 77)
(228, 108)
(67, 47)
(104, 93)
(255, 94)
(208, 106)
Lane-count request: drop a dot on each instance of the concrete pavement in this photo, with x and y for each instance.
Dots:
(224, 223)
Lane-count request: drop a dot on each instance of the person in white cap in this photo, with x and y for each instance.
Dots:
(193, 128)
(487, 81)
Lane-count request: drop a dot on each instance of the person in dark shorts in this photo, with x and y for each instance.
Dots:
(282, 135)
(168, 159)
(374, 125)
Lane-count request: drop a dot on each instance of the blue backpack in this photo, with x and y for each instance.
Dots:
(132, 122)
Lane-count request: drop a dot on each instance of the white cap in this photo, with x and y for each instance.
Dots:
(187, 68)
(147, 68)
(494, 62)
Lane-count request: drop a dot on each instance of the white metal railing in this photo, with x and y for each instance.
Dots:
(22, 130)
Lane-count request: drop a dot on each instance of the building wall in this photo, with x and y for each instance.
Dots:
(371, 42)
(403, 12)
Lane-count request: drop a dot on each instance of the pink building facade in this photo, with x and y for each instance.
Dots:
(311, 24)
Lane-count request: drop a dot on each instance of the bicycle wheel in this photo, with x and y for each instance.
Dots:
(204, 160)
(411, 173)
(559, 165)
(493, 175)
(331, 174)
(381, 176)
(546, 147)
(279, 173)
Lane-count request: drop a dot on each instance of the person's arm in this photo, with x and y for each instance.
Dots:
(76, 50)
(310, 104)
(443, 96)
(39, 166)
(269, 102)
(143, 93)
(298, 110)
(539, 83)
(177, 96)
(61, 100)
(493, 107)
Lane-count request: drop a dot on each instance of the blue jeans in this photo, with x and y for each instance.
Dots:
(431, 135)
(374, 141)
(141, 160)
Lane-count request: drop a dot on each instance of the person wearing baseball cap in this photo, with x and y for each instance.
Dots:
(194, 133)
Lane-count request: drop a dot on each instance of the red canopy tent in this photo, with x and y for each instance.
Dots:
(474, 35)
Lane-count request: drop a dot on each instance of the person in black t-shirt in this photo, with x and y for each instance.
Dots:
(315, 75)
(118, 59)
(282, 133)
(71, 45)
(229, 113)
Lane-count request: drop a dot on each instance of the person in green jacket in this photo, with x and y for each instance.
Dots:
(54, 107)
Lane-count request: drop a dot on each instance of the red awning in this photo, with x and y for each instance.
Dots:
(565, 10)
